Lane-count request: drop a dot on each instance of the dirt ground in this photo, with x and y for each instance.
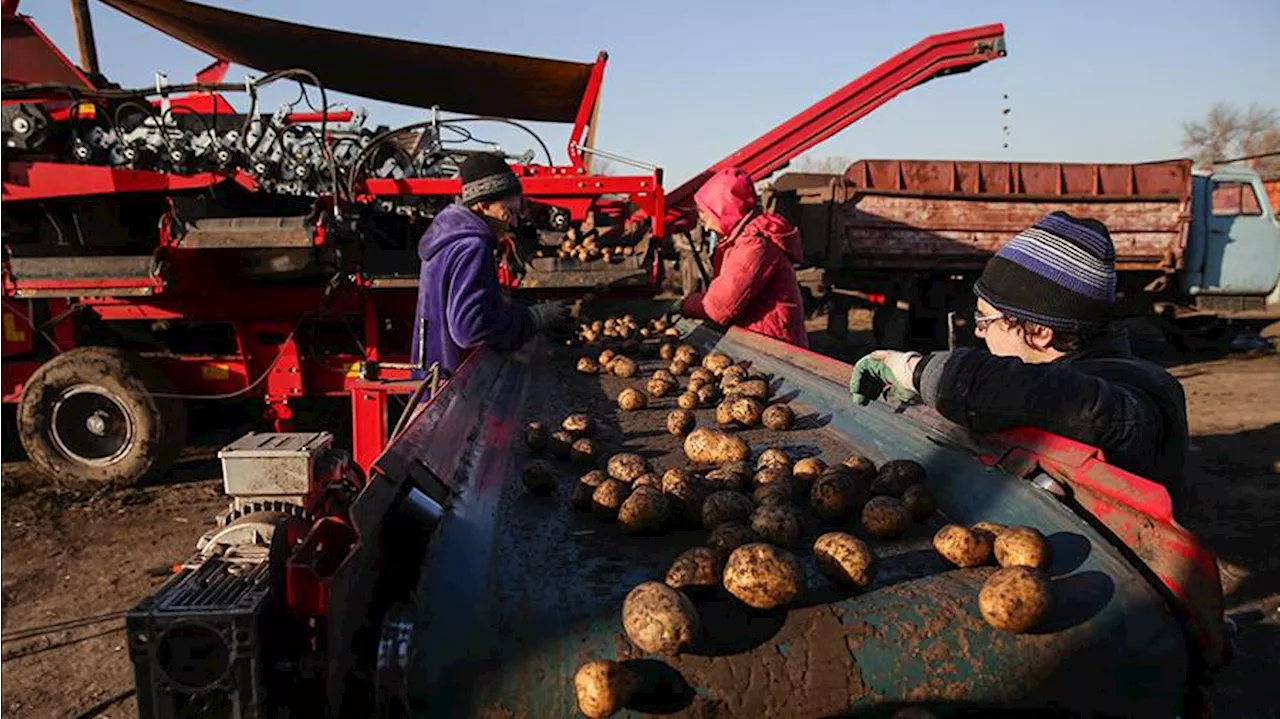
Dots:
(74, 554)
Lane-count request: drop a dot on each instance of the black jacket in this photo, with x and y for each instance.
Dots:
(1102, 395)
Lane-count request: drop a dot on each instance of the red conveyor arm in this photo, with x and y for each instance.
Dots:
(936, 55)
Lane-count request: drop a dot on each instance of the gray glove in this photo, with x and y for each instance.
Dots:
(549, 316)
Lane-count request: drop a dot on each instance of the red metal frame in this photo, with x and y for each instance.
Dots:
(934, 56)
(588, 110)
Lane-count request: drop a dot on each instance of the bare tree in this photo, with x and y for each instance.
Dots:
(832, 165)
(1226, 132)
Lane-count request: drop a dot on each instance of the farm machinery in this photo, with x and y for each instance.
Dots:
(162, 246)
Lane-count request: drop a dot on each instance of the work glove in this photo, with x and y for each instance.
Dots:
(549, 317)
(884, 371)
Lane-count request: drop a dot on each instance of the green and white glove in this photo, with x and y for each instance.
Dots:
(884, 371)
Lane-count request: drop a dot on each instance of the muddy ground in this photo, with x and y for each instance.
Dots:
(73, 554)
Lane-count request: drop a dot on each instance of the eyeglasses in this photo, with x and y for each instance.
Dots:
(981, 322)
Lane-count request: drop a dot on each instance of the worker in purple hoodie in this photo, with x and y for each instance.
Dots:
(460, 304)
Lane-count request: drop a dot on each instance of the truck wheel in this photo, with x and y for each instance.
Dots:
(89, 416)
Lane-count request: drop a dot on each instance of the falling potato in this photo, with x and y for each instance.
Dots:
(895, 476)
(919, 502)
(536, 436)
(626, 466)
(726, 506)
(1022, 547)
(779, 524)
(680, 422)
(604, 688)
(588, 365)
(845, 559)
(607, 499)
(623, 367)
(885, 517)
(539, 478)
(697, 569)
(728, 537)
(644, 511)
(659, 620)
(963, 547)
(687, 400)
(631, 399)
(578, 424)
(1015, 599)
(708, 446)
(763, 576)
(778, 417)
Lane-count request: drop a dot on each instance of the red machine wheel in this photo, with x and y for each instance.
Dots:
(90, 416)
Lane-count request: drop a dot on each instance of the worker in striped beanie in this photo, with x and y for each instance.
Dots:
(1052, 361)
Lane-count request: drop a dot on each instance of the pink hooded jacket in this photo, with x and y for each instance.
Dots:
(753, 282)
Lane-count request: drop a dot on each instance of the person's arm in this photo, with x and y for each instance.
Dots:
(745, 269)
(987, 393)
(474, 307)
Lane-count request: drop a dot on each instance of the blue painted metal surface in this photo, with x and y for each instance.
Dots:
(1234, 244)
(517, 591)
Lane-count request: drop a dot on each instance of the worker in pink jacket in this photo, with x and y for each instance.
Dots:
(754, 281)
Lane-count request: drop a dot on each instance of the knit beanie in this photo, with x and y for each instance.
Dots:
(1060, 273)
(487, 176)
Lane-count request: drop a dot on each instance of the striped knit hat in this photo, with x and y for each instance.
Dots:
(1060, 272)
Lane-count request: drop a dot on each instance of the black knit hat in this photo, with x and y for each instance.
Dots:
(486, 176)
(1060, 272)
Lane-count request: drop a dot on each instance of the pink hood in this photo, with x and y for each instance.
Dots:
(730, 197)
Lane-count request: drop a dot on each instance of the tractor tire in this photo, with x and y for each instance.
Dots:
(90, 417)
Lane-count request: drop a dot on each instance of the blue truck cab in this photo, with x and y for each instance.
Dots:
(1233, 246)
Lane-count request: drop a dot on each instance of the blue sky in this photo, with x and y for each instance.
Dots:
(689, 82)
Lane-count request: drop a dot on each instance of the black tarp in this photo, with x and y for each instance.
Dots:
(399, 71)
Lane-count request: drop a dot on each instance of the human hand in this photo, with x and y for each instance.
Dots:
(883, 370)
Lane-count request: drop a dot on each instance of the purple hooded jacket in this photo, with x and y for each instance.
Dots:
(459, 298)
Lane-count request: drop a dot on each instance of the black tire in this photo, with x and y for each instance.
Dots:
(89, 416)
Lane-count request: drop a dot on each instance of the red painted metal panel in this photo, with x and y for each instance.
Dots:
(29, 57)
(47, 180)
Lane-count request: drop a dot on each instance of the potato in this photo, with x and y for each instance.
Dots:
(609, 496)
(687, 354)
(886, 517)
(845, 559)
(583, 451)
(663, 375)
(597, 325)
(763, 576)
(623, 367)
(539, 478)
(833, 497)
(627, 466)
(680, 422)
(861, 467)
(659, 620)
(747, 411)
(687, 400)
(919, 502)
(580, 499)
(603, 688)
(1022, 547)
(694, 385)
(769, 475)
(561, 444)
(779, 524)
(594, 478)
(536, 436)
(781, 491)
(606, 358)
(724, 414)
(697, 569)
(773, 457)
(588, 365)
(726, 506)
(733, 477)
(648, 479)
(729, 383)
(667, 351)
(733, 375)
(578, 424)
(702, 375)
(778, 417)
(995, 529)
(963, 547)
(1015, 599)
(659, 387)
(679, 367)
(708, 446)
(895, 476)
(645, 511)
(717, 362)
(728, 537)
(687, 492)
(631, 399)
(757, 388)
(671, 332)
(708, 394)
